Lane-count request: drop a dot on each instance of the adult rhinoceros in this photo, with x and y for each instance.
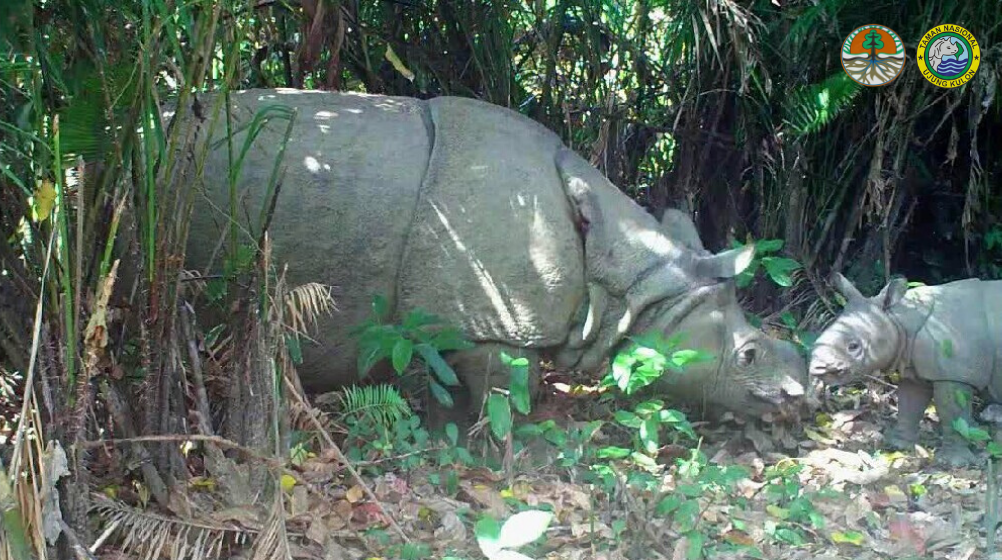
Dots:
(484, 218)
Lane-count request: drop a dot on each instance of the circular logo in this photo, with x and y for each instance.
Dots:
(948, 55)
(873, 55)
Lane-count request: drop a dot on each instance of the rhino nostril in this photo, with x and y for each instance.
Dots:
(821, 368)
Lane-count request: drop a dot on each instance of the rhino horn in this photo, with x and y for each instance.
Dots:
(892, 292)
(726, 264)
(845, 287)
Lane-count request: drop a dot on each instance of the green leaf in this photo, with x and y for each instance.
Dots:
(994, 449)
(215, 289)
(627, 418)
(519, 384)
(789, 535)
(612, 452)
(970, 433)
(763, 246)
(499, 415)
(438, 365)
(514, 362)
(649, 435)
(403, 351)
(528, 431)
(695, 549)
(780, 269)
(488, 530)
(668, 504)
(369, 353)
(643, 460)
(687, 515)
(450, 339)
(689, 490)
(648, 408)
(681, 358)
(452, 432)
(417, 318)
(295, 350)
(440, 393)
(848, 537)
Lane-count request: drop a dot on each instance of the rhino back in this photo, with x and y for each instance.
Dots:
(451, 205)
(353, 170)
(494, 247)
(961, 338)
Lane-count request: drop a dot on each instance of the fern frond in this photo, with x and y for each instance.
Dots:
(381, 404)
(809, 109)
(150, 535)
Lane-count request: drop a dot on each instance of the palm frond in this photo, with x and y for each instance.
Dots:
(809, 109)
(148, 535)
(273, 543)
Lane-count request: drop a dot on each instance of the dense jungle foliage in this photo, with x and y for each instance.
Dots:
(738, 111)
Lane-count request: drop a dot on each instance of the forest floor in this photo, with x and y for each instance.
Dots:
(816, 491)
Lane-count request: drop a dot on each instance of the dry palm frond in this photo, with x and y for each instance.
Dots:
(305, 304)
(148, 535)
(27, 498)
(273, 542)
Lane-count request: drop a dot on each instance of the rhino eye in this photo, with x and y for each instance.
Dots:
(746, 356)
(854, 346)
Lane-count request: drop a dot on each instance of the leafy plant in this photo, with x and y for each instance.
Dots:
(647, 420)
(803, 338)
(646, 359)
(699, 481)
(499, 413)
(779, 269)
(421, 335)
(791, 505)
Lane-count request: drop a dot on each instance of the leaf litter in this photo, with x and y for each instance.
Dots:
(868, 504)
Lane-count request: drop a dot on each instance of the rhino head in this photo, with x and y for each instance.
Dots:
(863, 339)
(750, 373)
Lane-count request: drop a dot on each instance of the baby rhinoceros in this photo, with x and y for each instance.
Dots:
(945, 342)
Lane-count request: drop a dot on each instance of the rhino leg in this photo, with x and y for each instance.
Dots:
(913, 398)
(953, 400)
(480, 370)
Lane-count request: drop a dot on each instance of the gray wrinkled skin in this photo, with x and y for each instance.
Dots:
(943, 340)
(483, 217)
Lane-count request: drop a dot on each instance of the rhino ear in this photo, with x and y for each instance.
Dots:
(678, 226)
(892, 292)
(846, 288)
(726, 264)
(582, 202)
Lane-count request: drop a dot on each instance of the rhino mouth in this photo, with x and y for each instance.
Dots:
(784, 400)
(830, 374)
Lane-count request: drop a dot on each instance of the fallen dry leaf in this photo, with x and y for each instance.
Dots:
(355, 494)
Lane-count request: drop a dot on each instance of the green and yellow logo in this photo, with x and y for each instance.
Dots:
(873, 55)
(948, 55)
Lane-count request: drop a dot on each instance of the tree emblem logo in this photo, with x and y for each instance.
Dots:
(948, 55)
(873, 55)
